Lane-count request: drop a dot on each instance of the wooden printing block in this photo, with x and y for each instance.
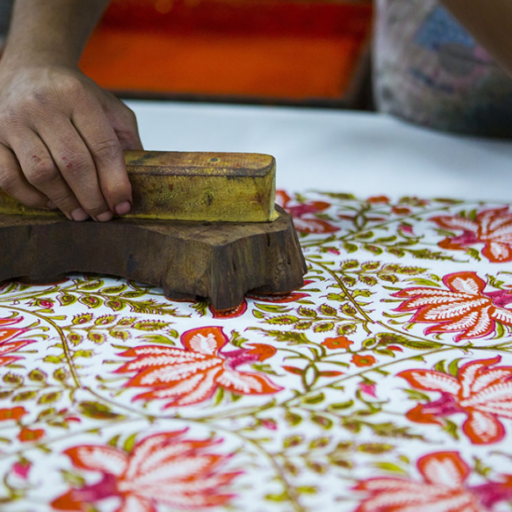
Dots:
(203, 225)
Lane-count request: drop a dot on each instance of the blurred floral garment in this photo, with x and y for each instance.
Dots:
(429, 70)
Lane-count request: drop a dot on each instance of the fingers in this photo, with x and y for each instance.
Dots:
(76, 166)
(107, 152)
(14, 183)
(41, 172)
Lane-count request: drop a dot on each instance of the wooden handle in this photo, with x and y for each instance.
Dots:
(207, 187)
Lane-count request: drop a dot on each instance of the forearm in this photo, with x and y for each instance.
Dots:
(51, 31)
(490, 23)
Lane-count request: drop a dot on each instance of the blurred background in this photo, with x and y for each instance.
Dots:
(276, 52)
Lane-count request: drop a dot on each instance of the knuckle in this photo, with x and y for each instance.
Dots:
(41, 173)
(75, 165)
(71, 85)
(107, 149)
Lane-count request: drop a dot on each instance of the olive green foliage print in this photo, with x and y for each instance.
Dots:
(388, 369)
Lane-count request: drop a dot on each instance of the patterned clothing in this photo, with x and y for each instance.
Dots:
(429, 70)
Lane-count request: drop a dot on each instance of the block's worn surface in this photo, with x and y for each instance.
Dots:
(224, 187)
(218, 261)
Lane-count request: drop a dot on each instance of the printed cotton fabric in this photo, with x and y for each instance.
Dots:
(430, 71)
(383, 385)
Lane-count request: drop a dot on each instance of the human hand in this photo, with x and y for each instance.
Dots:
(61, 142)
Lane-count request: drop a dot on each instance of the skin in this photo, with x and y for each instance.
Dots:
(61, 136)
(489, 23)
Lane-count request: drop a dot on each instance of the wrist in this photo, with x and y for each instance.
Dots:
(30, 58)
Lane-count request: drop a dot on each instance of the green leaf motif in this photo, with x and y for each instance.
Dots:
(98, 411)
(91, 301)
(150, 325)
(328, 310)
(66, 299)
(323, 421)
(130, 443)
(49, 398)
(390, 467)
(24, 396)
(37, 375)
(282, 320)
(313, 400)
(324, 327)
(113, 290)
(307, 312)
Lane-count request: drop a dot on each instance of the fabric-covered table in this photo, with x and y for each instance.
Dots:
(384, 384)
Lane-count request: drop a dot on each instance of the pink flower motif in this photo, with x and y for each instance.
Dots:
(481, 390)
(269, 424)
(162, 469)
(21, 469)
(442, 489)
(492, 227)
(406, 228)
(369, 389)
(304, 214)
(464, 307)
(192, 375)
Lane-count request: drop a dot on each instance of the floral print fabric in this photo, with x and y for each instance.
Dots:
(383, 385)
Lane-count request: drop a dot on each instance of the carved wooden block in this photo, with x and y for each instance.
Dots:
(202, 225)
(217, 261)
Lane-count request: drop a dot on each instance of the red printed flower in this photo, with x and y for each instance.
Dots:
(492, 227)
(193, 374)
(7, 334)
(338, 342)
(304, 214)
(162, 469)
(13, 413)
(401, 210)
(481, 390)
(378, 200)
(28, 435)
(443, 488)
(361, 361)
(463, 307)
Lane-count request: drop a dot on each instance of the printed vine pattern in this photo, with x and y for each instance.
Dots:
(383, 385)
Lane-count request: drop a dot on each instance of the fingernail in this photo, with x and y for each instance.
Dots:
(123, 208)
(50, 206)
(105, 216)
(79, 215)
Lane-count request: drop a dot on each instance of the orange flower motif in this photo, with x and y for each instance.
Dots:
(193, 374)
(442, 489)
(162, 469)
(14, 413)
(7, 334)
(481, 390)
(338, 342)
(492, 227)
(27, 435)
(303, 214)
(401, 210)
(360, 361)
(378, 199)
(463, 308)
